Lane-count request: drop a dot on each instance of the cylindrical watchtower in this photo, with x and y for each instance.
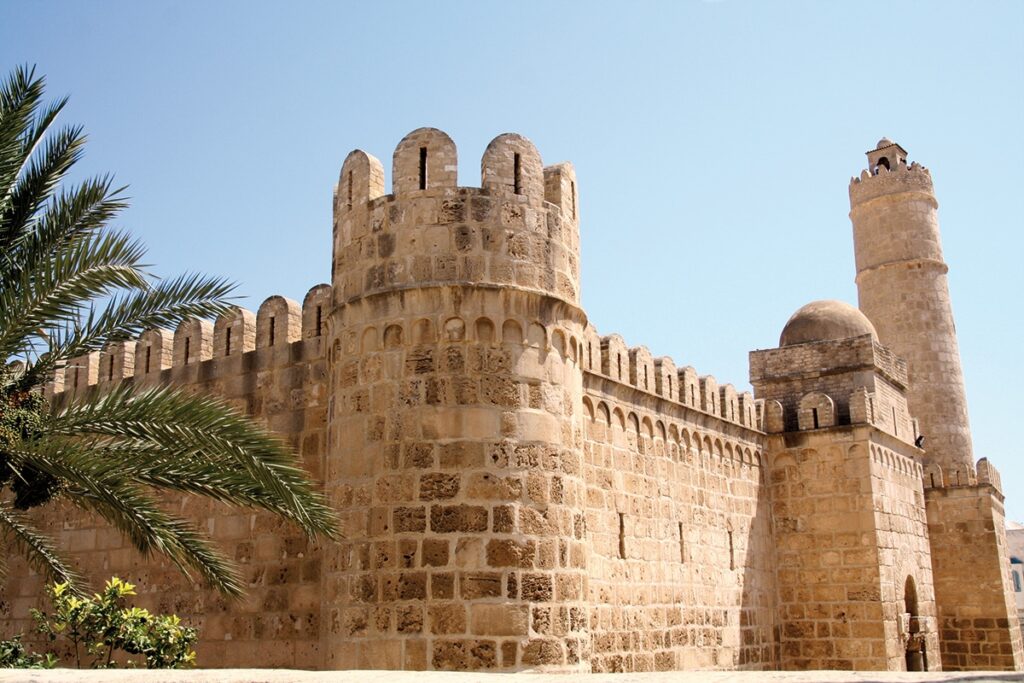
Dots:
(903, 289)
(455, 451)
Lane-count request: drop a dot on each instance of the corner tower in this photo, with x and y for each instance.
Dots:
(902, 288)
(454, 448)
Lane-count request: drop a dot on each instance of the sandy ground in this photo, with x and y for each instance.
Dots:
(292, 676)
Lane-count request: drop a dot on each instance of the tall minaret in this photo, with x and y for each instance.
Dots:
(902, 287)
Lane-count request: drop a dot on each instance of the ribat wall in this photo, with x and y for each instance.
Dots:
(850, 538)
(281, 382)
(978, 628)
(681, 574)
(454, 451)
(517, 492)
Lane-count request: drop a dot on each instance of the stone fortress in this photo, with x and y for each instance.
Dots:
(518, 492)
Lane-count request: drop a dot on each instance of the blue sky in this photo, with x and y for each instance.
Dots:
(713, 143)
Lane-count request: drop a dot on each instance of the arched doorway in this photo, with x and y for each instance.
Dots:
(917, 657)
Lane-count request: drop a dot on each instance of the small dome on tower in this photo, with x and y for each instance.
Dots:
(823, 321)
(884, 142)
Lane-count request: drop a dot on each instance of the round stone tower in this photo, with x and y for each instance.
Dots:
(903, 289)
(455, 454)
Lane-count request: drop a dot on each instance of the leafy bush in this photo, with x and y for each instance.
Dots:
(13, 655)
(100, 628)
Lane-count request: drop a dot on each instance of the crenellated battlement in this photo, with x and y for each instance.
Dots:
(634, 367)
(821, 410)
(166, 356)
(519, 228)
(984, 472)
(881, 180)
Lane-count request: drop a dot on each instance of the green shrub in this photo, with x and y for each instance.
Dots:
(14, 656)
(100, 629)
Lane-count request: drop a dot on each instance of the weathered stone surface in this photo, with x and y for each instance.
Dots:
(516, 492)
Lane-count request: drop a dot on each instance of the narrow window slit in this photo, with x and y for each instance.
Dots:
(516, 180)
(732, 553)
(622, 536)
(618, 361)
(227, 343)
(271, 331)
(319, 320)
(572, 186)
(110, 370)
(188, 343)
(350, 189)
(682, 545)
(149, 354)
(423, 168)
(814, 415)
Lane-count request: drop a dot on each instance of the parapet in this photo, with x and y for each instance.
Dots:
(988, 474)
(279, 324)
(827, 357)
(154, 352)
(610, 357)
(983, 473)
(820, 410)
(117, 361)
(880, 181)
(519, 228)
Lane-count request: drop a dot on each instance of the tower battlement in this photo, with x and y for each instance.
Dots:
(519, 228)
(880, 181)
(984, 472)
(888, 173)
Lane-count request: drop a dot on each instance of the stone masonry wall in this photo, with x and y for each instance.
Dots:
(454, 446)
(459, 485)
(282, 385)
(903, 289)
(849, 530)
(681, 572)
(976, 621)
(904, 553)
(836, 368)
(517, 492)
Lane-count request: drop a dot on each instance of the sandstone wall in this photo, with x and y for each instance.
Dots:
(680, 563)
(283, 385)
(904, 553)
(903, 289)
(976, 612)
(454, 448)
(850, 529)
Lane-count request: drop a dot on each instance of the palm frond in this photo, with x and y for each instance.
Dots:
(62, 289)
(84, 209)
(43, 171)
(69, 286)
(98, 486)
(35, 546)
(201, 438)
(20, 97)
(151, 530)
(164, 305)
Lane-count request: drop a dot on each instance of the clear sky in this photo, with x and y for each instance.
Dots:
(713, 142)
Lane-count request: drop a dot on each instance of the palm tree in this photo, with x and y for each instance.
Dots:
(70, 285)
